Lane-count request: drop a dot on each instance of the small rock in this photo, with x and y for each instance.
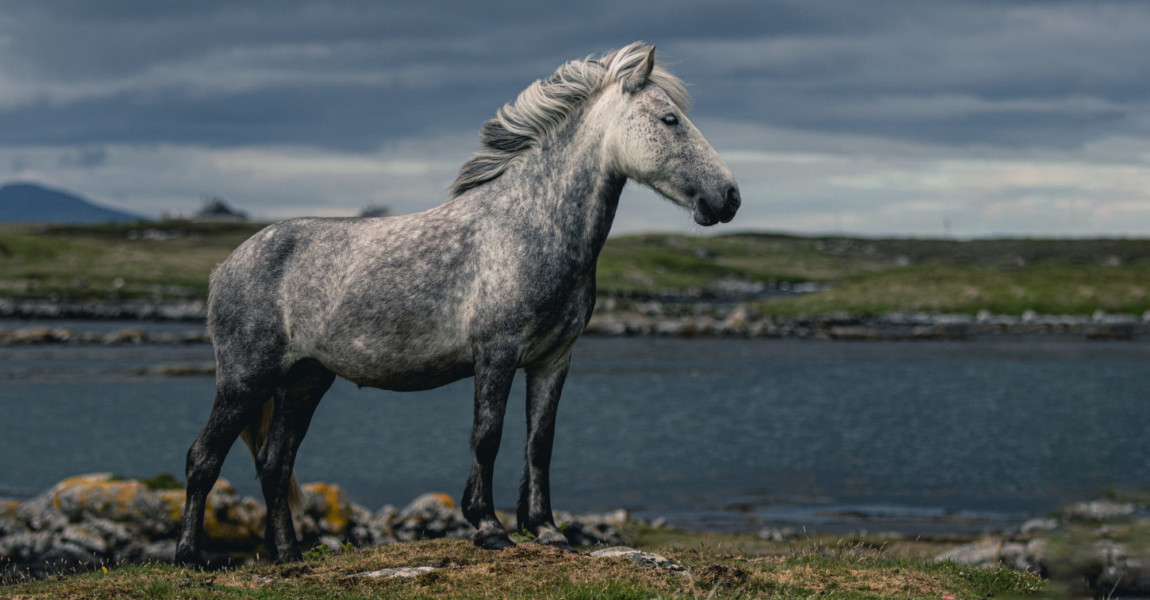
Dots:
(406, 572)
(784, 534)
(983, 553)
(1036, 525)
(1099, 510)
(643, 559)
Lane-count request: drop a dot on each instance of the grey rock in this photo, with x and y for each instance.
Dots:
(63, 554)
(784, 534)
(26, 546)
(158, 551)
(1036, 525)
(595, 529)
(40, 514)
(983, 553)
(1117, 572)
(404, 572)
(1099, 510)
(371, 529)
(643, 559)
(85, 537)
(431, 516)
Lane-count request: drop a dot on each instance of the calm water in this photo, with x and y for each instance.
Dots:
(722, 434)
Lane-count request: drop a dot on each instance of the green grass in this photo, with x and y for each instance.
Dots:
(865, 276)
(1046, 288)
(101, 262)
(533, 571)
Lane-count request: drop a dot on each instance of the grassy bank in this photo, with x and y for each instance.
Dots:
(848, 570)
(865, 276)
(114, 261)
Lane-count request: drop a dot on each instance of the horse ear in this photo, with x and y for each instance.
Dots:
(638, 78)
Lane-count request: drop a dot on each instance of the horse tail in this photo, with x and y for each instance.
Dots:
(255, 437)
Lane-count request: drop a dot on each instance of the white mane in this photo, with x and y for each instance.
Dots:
(544, 107)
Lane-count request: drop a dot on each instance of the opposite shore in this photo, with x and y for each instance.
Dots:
(618, 318)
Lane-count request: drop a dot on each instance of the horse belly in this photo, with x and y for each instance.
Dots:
(397, 366)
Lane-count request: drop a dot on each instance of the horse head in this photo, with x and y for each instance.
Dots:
(653, 142)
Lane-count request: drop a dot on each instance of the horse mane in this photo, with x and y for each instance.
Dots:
(545, 106)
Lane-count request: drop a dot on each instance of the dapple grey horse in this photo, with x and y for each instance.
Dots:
(499, 278)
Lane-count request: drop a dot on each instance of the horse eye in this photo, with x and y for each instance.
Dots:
(670, 119)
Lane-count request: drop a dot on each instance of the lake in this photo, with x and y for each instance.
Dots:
(724, 434)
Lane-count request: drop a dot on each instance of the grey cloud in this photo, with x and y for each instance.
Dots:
(962, 78)
(328, 74)
(84, 158)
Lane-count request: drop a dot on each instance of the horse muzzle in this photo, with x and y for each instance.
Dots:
(708, 213)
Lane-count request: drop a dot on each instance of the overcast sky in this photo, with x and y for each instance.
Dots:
(976, 118)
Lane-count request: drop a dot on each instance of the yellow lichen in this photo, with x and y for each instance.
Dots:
(338, 511)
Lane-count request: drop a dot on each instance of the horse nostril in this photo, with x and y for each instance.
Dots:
(733, 200)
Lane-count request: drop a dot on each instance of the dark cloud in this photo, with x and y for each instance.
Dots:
(353, 78)
(335, 74)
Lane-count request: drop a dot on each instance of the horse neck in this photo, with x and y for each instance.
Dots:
(570, 188)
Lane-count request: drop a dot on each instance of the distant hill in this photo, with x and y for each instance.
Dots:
(30, 203)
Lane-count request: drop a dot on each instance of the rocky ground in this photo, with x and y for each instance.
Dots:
(1100, 547)
(94, 520)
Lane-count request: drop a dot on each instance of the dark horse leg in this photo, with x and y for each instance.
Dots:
(237, 405)
(533, 513)
(295, 402)
(494, 372)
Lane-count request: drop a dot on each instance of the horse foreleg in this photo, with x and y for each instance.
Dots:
(533, 513)
(494, 372)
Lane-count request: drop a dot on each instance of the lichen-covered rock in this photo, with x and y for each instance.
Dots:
(371, 529)
(95, 519)
(231, 521)
(41, 514)
(102, 496)
(326, 506)
(431, 516)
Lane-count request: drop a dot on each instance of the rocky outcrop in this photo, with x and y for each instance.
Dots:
(91, 520)
(126, 336)
(744, 320)
(51, 308)
(656, 318)
(1094, 547)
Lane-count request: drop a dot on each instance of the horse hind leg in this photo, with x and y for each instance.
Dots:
(236, 404)
(295, 402)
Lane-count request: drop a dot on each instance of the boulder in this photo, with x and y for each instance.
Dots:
(430, 516)
(102, 496)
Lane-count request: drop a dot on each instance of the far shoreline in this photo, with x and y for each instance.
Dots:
(660, 318)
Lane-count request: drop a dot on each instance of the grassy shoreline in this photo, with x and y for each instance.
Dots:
(814, 568)
(862, 276)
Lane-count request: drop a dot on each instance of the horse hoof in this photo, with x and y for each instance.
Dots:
(494, 541)
(287, 556)
(188, 559)
(554, 539)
